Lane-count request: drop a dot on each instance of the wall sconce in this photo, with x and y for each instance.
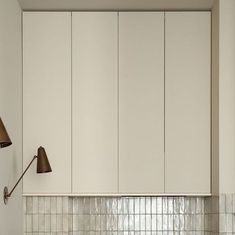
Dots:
(43, 166)
(4, 138)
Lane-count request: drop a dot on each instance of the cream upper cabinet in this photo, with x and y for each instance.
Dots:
(187, 102)
(141, 102)
(95, 102)
(47, 99)
(120, 101)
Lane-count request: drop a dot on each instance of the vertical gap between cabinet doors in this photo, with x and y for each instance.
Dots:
(71, 89)
(118, 102)
(22, 96)
(164, 113)
(211, 107)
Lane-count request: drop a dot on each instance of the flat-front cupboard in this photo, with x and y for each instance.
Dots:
(119, 100)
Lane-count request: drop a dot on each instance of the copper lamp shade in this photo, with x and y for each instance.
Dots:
(43, 165)
(4, 138)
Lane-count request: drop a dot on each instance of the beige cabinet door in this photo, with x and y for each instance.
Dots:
(187, 107)
(94, 102)
(47, 99)
(141, 102)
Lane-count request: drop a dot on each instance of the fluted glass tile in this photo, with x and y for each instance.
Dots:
(198, 203)
(181, 205)
(53, 205)
(170, 206)
(41, 222)
(109, 208)
(92, 222)
(171, 222)
(97, 222)
(41, 205)
(165, 205)
(80, 205)
(123, 215)
(65, 205)
(165, 222)
(187, 222)
(176, 205)
(142, 223)
(229, 203)
(86, 205)
(222, 203)
(176, 223)
(193, 205)
(35, 223)
(153, 205)
(137, 205)
(142, 205)
(120, 206)
(47, 223)
(154, 222)
(159, 222)
(86, 223)
(29, 205)
(81, 222)
(29, 223)
(47, 205)
(53, 223)
(35, 205)
(120, 223)
(159, 205)
(137, 222)
(65, 219)
(131, 209)
(59, 205)
(103, 222)
(131, 222)
(148, 205)
(148, 222)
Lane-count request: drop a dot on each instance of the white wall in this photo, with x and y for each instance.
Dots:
(215, 98)
(227, 96)
(223, 94)
(11, 113)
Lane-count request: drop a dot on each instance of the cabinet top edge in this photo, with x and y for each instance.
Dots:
(113, 10)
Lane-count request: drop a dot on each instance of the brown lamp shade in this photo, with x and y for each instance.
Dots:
(4, 138)
(43, 165)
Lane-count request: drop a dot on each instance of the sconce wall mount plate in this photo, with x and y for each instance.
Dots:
(5, 193)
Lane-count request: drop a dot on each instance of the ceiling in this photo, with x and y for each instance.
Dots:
(116, 4)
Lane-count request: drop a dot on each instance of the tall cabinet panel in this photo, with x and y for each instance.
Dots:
(141, 102)
(94, 99)
(187, 119)
(47, 99)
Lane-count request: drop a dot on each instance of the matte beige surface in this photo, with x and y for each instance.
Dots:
(187, 123)
(47, 99)
(227, 96)
(215, 99)
(11, 219)
(95, 87)
(141, 102)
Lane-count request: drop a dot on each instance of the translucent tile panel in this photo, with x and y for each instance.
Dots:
(46, 215)
(116, 215)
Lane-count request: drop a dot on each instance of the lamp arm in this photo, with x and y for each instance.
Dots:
(9, 194)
